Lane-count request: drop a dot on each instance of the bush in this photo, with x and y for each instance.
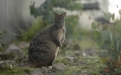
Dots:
(73, 35)
(108, 38)
(2, 45)
(32, 30)
(3, 36)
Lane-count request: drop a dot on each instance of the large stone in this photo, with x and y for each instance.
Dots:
(23, 45)
(91, 52)
(36, 72)
(59, 66)
(77, 53)
(12, 52)
(7, 64)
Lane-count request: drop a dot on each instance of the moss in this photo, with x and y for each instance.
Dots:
(68, 71)
(92, 65)
(6, 56)
(15, 71)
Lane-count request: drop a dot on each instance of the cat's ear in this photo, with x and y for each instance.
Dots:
(63, 14)
(55, 14)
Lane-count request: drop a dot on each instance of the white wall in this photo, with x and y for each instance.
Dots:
(85, 22)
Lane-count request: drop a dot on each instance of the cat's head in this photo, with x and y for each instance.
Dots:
(59, 20)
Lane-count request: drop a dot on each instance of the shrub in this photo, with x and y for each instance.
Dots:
(27, 35)
(2, 45)
(108, 38)
(73, 35)
(3, 34)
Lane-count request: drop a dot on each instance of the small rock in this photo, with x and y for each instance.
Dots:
(82, 73)
(59, 66)
(36, 72)
(2, 65)
(1, 62)
(91, 52)
(84, 54)
(12, 52)
(23, 45)
(7, 64)
(49, 73)
(71, 59)
(10, 62)
(77, 53)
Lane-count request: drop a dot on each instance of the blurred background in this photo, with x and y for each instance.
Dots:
(22, 19)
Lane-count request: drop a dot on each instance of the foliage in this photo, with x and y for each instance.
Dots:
(72, 32)
(75, 34)
(2, 36)
(14, 70)
(84, 65)
(2, 45)
(108, 38)
(72, 26)
(31, 32)
(47, 8)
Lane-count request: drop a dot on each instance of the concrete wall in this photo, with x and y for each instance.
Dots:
(85, 21)
(15, 15)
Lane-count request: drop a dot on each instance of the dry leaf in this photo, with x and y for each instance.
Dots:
(107, 70)
(104, 27)
(89, 17)
(118, 63)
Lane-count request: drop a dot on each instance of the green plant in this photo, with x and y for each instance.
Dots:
(108, 38)
(13, 70)
(2, 38)
(47, 8)
(32, 30)
(2, 45)
(73, 30)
